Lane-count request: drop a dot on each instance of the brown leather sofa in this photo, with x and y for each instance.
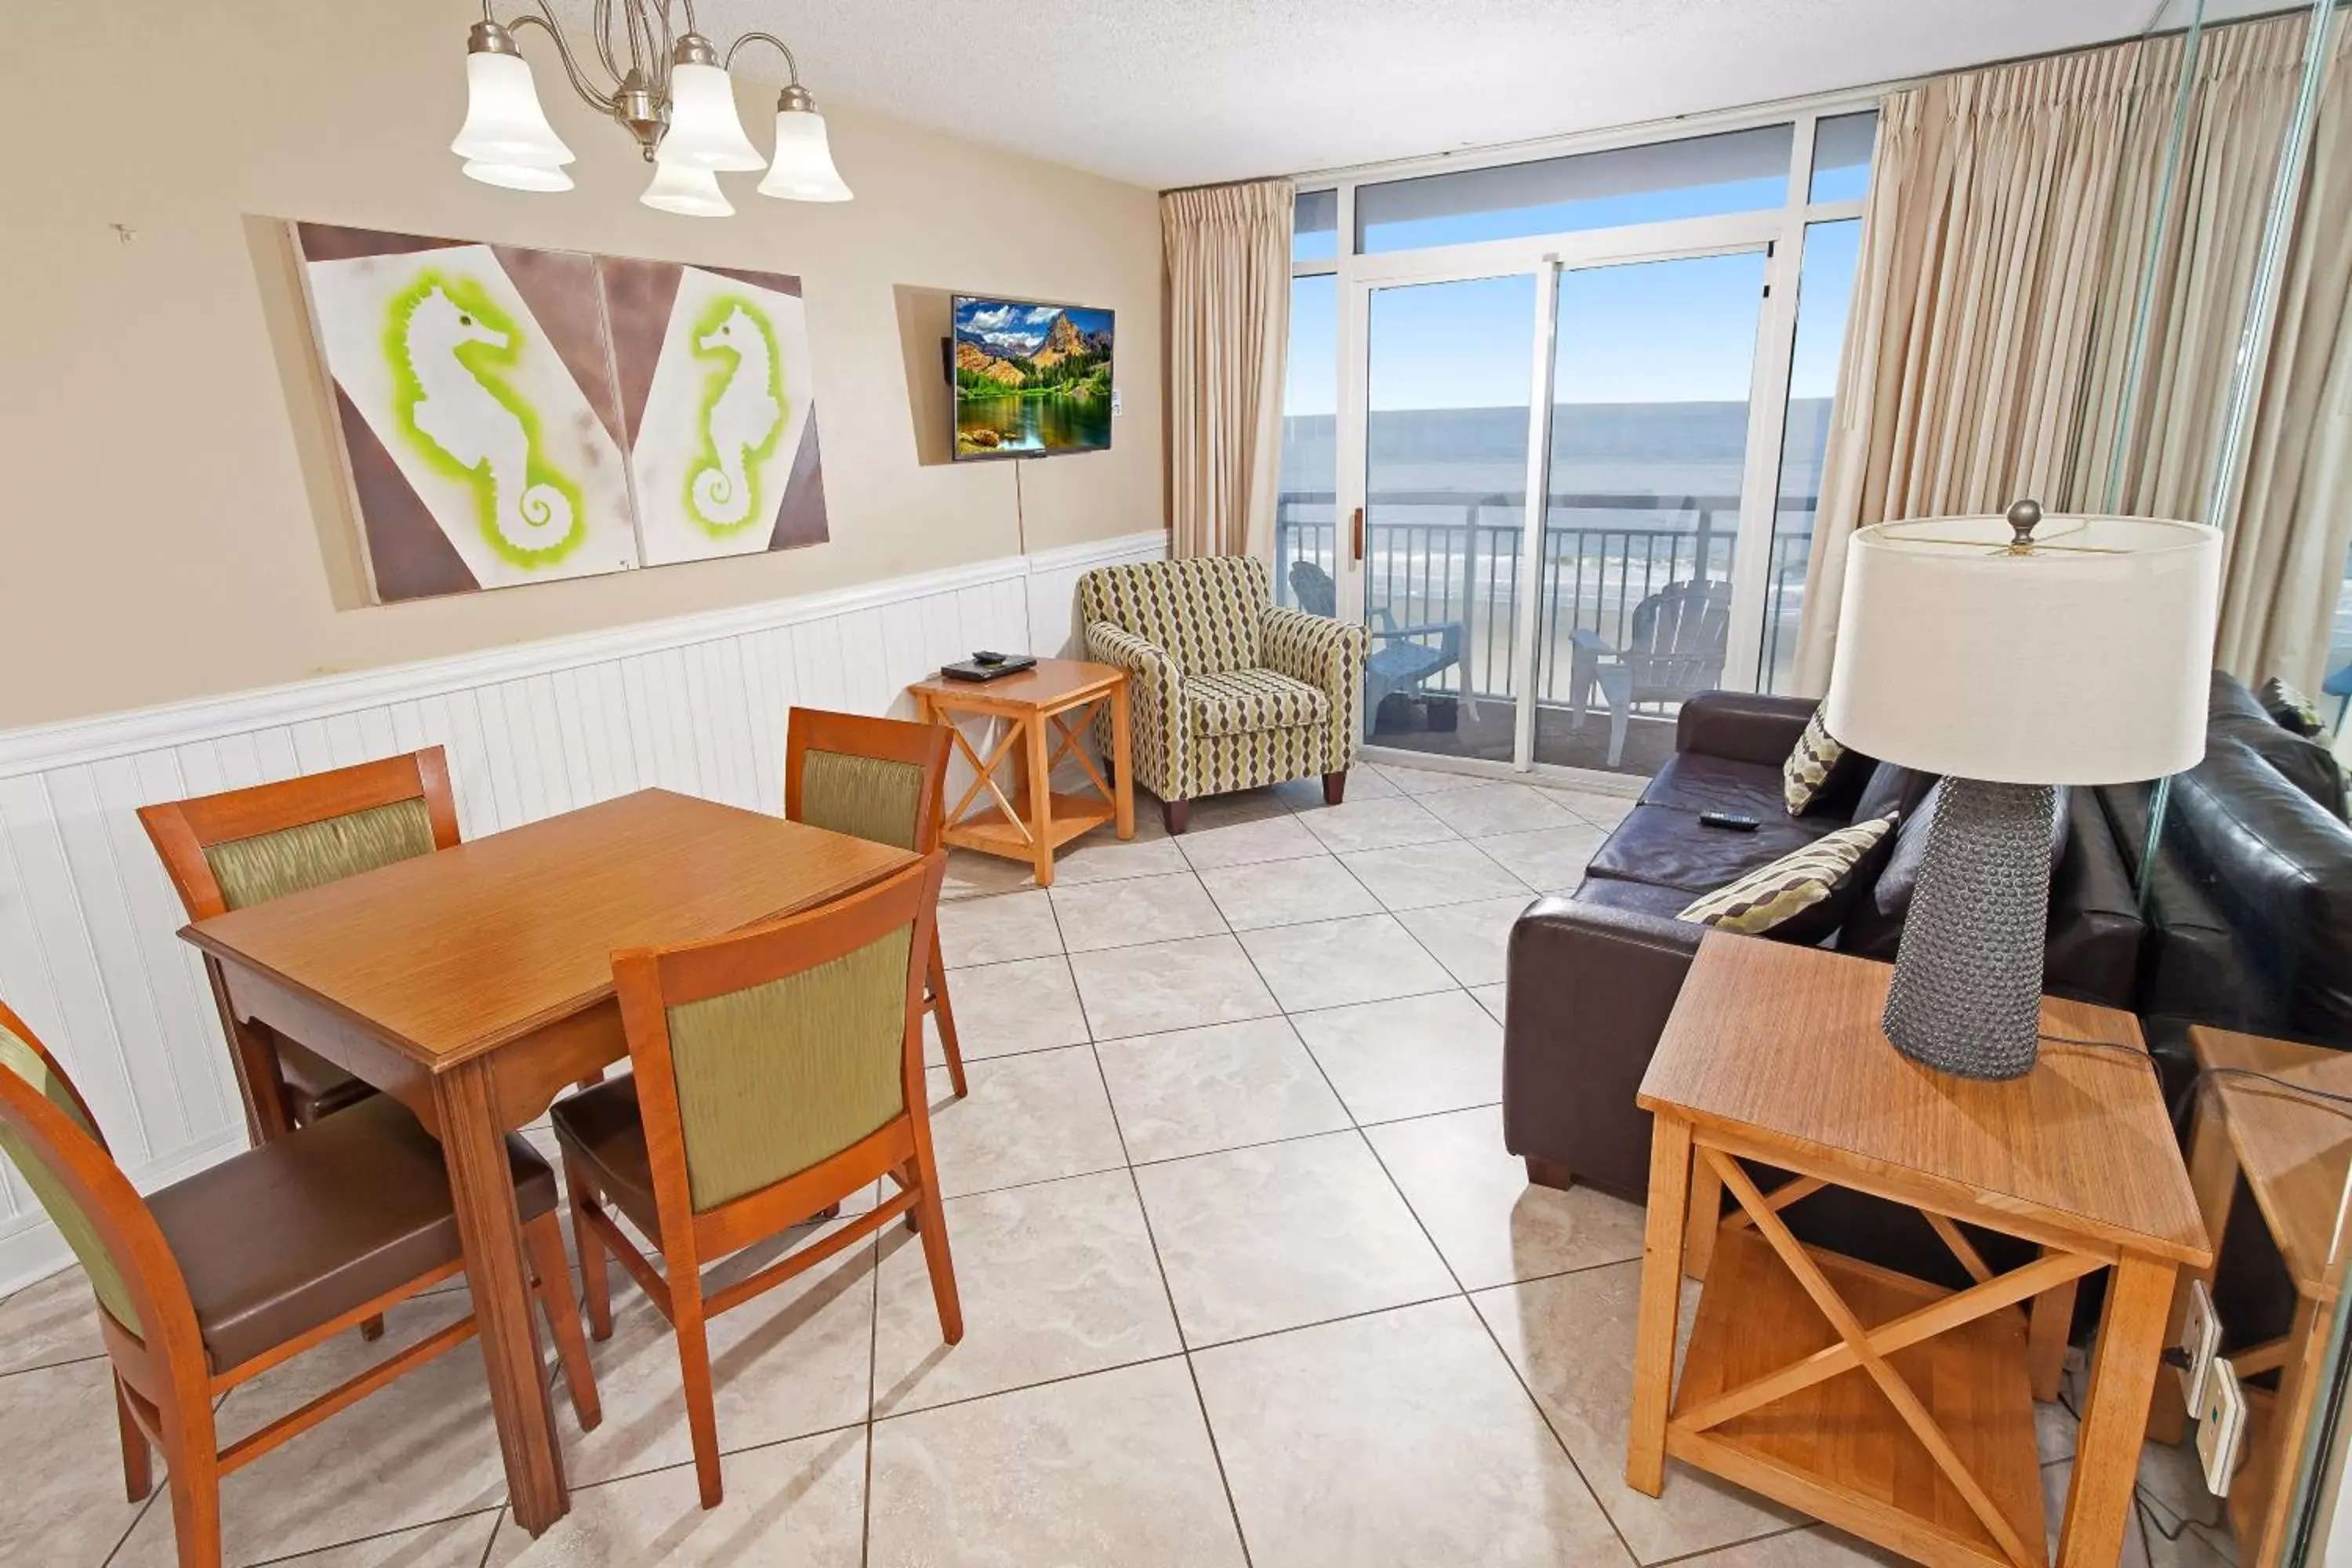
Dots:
(1593, 975)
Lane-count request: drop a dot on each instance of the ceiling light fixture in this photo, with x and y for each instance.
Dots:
(670, 92)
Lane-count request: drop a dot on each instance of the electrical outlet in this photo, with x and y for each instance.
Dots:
(2201, 1341)
(1117, 406)
(2220, 1425)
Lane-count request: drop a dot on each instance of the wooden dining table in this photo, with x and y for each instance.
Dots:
(474, 983)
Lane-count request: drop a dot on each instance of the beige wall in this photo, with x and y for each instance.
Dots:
(173, 528)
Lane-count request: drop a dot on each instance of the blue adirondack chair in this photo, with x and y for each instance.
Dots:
(1400, 659)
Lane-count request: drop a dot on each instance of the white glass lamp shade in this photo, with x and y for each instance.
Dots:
(802, 169)
(688, 191)
(518, 176)
(504, 123)
(2082, 659)
(705, 131)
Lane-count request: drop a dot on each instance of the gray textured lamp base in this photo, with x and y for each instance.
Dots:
(1967, 994)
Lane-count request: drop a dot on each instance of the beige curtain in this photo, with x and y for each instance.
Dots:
(1228, 323)
(2003, 251)
(2293, 522)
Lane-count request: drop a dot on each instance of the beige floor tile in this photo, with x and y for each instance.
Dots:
(1168, 986)
(421, 1450)
(49, 1321)
(1195, 1092)
(1284, 1233)
(1818, 1547)
(1415, 781)
(1102, 857)
(1330, 963)
(793, 1361)
(1603, 811)
(1115, 1468)
(63, 1502)
(1374, 825)
(1248, 843)
(1409, 1057)
(1028, 1119)
(1492, 1224)
(972, 875)
(1026, 1004)
(1422, 875)
(1287, 892)
(1571, 1338)
(1473, 941)
(995, 930)
(1492, 998)
(792, 1505)
(1486, 809)
(1400, 1438)
(1056, 1279)
(1215, 811)
(1364, 783)
(1550, 859)
(454, 1543)
(1134, 910)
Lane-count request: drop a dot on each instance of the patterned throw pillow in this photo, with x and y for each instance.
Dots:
(2292, 708)
(1772, 896)
(1807, 772)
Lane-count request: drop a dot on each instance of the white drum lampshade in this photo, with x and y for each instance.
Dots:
(705, 131)
(688, 191)
(2081, 659)
(802, 169)
(2011, 655)
(505, 126)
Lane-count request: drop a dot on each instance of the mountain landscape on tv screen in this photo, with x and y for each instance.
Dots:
(1031, 378)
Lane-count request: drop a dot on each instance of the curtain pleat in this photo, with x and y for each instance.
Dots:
(1228, 249)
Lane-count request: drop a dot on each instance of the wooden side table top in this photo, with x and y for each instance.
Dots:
(2081, 1146)
(2294, 1153)
(1053, 684)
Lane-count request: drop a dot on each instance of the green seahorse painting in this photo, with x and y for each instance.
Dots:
(742, 413)
(446, 341)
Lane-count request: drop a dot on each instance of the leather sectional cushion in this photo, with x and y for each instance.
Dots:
(306, 1227)
(1874, 921)
(1892, 790)
(1666, 847)
(602, 1128)
(1639, 896)
(1695, 782)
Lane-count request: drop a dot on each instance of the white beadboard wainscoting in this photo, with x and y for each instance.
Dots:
(88, 952)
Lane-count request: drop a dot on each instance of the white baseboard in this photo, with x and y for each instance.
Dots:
(89, 951)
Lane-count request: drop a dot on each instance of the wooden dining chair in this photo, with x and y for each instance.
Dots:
(778, 1071)
(878, 779)
(220, 1277)
(244, 847)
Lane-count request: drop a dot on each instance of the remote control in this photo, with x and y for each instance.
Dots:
(983, 655)
(1731, 821)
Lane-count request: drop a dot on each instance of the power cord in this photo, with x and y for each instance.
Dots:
(2148, 1505)
(2325, 1099)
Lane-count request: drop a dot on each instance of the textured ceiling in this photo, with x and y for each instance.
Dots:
(1173, 93)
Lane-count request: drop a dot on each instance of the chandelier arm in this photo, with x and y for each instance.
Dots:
(600, 24)
(661, 48)
(790, 65)
(546, 23)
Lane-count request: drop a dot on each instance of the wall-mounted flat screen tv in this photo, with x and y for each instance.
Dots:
(1031, 380)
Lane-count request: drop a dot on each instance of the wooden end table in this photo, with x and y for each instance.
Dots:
(1042, 711)
(2294, 1154)
(1890, 1407)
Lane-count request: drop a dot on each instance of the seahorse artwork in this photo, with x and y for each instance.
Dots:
(444, 341)
(741, 413)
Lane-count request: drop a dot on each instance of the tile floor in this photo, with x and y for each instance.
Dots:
(1247, 1275)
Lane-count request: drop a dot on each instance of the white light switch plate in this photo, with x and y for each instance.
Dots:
(2220, 1425)
(1115, 408)
(2201, 1340)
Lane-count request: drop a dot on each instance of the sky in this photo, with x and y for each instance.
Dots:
(1016, 326)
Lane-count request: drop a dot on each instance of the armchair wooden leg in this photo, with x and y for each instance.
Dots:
(545, 1242)
(701, 1402)
(138, 1460)
(191, 1471)
(1177, 814)
(942, 1010)
(596, 1286)
(1549, 1174)
(1334, 788)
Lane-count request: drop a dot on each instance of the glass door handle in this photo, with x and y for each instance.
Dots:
(1356, 536)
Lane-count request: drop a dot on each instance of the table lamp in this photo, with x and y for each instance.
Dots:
(2011, 655)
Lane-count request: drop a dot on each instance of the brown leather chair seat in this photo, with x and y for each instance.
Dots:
(304, 1228)
(602, 1128)
(315, 1087)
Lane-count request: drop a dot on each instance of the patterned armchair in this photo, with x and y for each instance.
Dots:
(1229, 692)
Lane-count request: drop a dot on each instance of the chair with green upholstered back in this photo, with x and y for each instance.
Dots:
(245, 846)
(879, 779)
(225, 1273)
(778, 1071)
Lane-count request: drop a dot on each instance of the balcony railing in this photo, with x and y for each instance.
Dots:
(1448, 557)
